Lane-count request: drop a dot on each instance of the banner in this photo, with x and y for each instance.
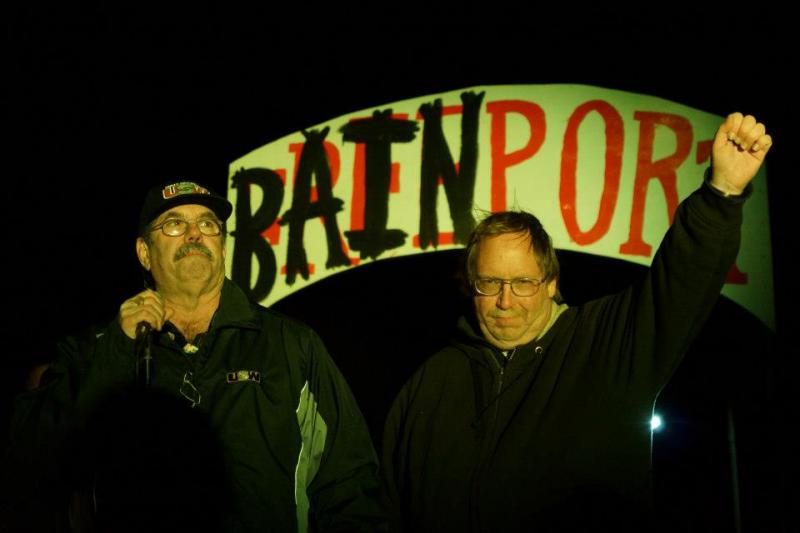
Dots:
(604, 171)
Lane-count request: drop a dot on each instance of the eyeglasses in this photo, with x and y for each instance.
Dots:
(189, 391)
(175, 227)
(519, 286)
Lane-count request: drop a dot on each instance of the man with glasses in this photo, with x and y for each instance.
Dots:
(535, 417)
(294, 450)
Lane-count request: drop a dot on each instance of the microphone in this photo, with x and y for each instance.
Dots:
(143, 329)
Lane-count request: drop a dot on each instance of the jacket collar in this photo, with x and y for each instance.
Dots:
(468, 333)
(235, 309)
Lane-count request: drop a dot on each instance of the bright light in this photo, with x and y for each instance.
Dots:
(655, 422)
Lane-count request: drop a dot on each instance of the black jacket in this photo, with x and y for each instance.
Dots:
(557, 436)
(274, 421)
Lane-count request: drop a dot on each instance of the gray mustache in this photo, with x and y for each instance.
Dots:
(186, 249)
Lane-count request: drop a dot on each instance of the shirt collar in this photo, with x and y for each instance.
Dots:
(555, 311)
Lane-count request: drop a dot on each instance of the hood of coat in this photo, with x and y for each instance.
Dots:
(473, 344)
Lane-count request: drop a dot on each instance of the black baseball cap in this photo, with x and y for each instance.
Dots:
(163, 197)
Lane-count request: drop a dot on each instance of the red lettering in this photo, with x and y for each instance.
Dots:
(273, 233)
(334, 162)
(310, 269)
(357, 200)
(663, 170)
(703, 151)
(615, 133)
(736, 276)
(445, 237)
(359, 175)
(446, 110)
(502, 160)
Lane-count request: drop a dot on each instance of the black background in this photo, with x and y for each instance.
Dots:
(102, 102)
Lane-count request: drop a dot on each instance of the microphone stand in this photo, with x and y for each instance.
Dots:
(144, 356)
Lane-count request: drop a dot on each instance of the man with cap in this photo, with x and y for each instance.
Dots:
(181, 248)
(294, 450)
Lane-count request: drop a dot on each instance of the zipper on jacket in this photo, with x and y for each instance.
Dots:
(500, 377)
(479, 464)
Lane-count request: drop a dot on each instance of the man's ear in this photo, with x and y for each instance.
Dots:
(552, 285)
(143, 253)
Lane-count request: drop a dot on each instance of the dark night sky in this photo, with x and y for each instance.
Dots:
(103, 102)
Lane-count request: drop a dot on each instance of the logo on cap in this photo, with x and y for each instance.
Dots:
(184, 187)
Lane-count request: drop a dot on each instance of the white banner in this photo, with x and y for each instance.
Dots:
(603, 170)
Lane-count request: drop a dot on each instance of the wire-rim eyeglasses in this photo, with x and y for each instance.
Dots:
(175, 227)
(519, 286)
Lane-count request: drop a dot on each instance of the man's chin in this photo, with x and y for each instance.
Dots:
(502, 338)
(198, 269)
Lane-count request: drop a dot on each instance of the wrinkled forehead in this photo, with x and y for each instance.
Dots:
(512, 251)
(185, 212)
(491, 244)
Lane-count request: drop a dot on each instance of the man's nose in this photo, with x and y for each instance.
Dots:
(193, 233)
(504, 298)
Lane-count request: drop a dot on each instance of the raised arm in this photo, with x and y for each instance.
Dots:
(655, 320)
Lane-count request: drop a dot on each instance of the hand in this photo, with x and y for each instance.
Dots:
(147, 306)
(740, 145)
